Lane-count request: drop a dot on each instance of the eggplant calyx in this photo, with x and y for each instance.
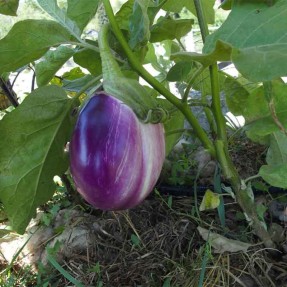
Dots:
(156, 115)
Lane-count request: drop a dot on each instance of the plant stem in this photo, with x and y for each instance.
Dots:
(252, 177)
(221, 146)
(183, 107)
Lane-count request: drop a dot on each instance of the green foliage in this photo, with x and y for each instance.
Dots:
(52, 8)
(90, 60)
(52, 61)
(36, 152)
(9, 7)
(87, 10)
(170, 29)
(25, 42)
(249, 31)
(139, 24)
(176, 6)
(275, 172)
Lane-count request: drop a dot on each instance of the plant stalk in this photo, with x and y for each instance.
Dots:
(221, 145)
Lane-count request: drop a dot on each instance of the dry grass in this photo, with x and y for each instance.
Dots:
(157, 244)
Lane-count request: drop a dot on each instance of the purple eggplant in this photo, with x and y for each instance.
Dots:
(115, 159)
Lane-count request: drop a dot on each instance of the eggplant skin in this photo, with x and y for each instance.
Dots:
(115, 160)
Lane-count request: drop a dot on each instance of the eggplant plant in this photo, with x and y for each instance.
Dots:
(35, 133)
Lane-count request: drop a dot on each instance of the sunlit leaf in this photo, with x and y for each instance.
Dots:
(52, 8)
(33, 45)
(81, 12)
(36, 134)
(258, 50)
(210, 200)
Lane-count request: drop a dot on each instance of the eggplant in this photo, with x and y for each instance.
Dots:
(115, 159)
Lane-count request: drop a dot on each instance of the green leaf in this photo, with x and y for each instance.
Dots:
(177, 6)
(139, 24)
(237, 91)
(73, 74)
(52, 61)
(36, 134)
(222, 52)
(52, 8)
(77, 84)
(82, 12)
(35, 36)
(135, 240)
(258, 117)
(274, 174)
(89, 59)
(256, 33)
(123, 15)
(174, 123)
(180, 72)
(168, 28)
(9, 7)
(277, 152)
(210, 200)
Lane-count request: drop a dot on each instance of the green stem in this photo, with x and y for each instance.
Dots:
(252, 177)
(201, 19)
(184, 108)
(221, 145)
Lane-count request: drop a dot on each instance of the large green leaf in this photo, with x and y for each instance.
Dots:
(52, 8)
(277, 152)
(139, 24)
(259, 119)
(89, 59)
(176, 6)
(168, 28)
(81, 12)
(32, 152)
(9, 7)
(237, 91)
(27, 41)
(257, 34)
(274, 174)
(51, 63)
